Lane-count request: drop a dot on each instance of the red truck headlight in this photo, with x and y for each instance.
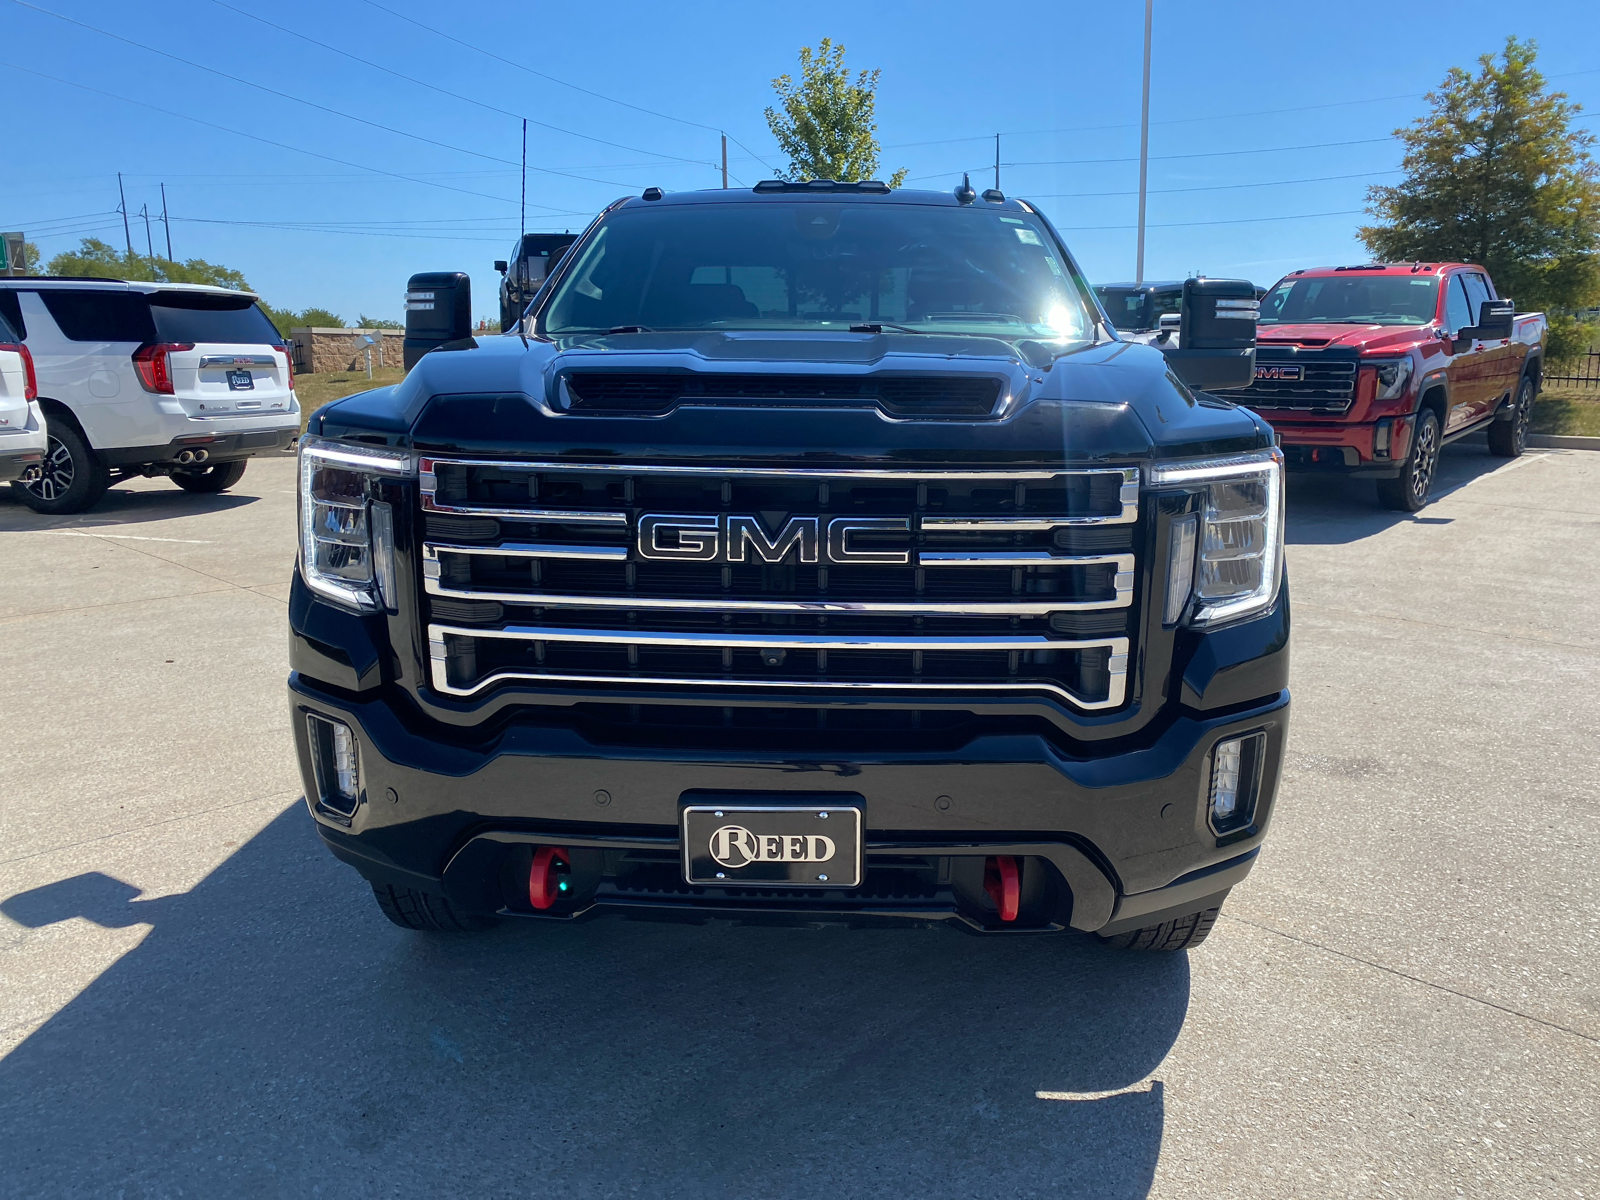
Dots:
(1393, 375)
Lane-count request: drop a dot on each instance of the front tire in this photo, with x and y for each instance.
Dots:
(1410, 491)
(411, 909)
(73, 478)
(1508, 439)
(210, 480)
(1180, 933)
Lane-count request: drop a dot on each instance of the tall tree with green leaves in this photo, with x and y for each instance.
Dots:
(94, 257)
(1497, 174)
(825, 122)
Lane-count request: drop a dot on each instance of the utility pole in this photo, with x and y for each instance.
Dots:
(149, 245)
(1144, 143)
(997, 162)
(724, 162)
(123, 209)
(524, 188)
(165, 224)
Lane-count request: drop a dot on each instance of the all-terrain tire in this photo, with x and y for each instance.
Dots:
(1508, 439)
(419, 910)
(1409, 492)
(73, 480)
(1180, 933)
(210, 480)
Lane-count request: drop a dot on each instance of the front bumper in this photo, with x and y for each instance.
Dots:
(1113, 841)
(1373, 449)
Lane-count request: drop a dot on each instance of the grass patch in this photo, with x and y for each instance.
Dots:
(1569, 412)
(313, 391)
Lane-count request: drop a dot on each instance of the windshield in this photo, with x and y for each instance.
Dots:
(776, 265)
(1138, 308)
(1353, 300)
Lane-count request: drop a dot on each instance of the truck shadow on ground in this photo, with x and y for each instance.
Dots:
(1327, 510)
(124, 506)
(273, 1034)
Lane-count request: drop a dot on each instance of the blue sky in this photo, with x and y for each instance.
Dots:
(1268, 121)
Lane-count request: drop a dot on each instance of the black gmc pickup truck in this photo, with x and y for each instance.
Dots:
(811, 552)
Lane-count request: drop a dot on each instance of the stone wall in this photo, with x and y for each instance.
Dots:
(317, 350)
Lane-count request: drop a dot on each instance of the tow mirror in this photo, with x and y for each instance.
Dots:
(1216, 345)
(500, 265)
(1495, 319)
(438, 310)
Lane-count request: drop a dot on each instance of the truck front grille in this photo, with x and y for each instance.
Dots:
(793, 580)
(1290, 377)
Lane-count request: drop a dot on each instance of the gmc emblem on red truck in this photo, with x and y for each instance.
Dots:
(1279, 374)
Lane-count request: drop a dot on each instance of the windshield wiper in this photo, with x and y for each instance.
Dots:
(879, 328)
(630, 329)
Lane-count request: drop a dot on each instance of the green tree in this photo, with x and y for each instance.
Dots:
(94, 257)
(1497, 174)
(826, 125)
(366, 322)
(286, 319)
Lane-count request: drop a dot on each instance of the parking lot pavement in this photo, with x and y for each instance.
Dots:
(1403, 999)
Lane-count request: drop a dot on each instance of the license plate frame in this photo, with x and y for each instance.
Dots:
(241, 381)
(792, 830)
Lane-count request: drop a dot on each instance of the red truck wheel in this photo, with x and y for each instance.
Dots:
(1409, 491)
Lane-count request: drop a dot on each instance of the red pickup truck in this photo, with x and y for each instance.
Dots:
(1369, 370)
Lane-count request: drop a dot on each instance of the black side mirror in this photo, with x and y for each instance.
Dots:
(1216, 344)
(1495, 319)
(500, 265)
(438, 310)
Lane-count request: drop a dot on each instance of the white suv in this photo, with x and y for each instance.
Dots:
(180, 380)
(22, 437)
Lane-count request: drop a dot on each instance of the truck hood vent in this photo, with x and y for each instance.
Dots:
(628, 392)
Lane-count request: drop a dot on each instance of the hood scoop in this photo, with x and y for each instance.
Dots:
(631, 393)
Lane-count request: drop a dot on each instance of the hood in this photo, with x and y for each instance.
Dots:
(1365, 338)
(498, 395)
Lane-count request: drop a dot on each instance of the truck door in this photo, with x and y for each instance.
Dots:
(1502, 357)
(1466, 369)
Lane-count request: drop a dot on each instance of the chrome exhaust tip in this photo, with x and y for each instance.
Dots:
(186, 457)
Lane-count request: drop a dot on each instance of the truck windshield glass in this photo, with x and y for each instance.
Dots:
(775, 265)
(1138, 308)
(1353, 300)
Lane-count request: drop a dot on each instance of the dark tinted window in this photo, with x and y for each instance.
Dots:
(1477, 293)
(203, 317)
(86, 315)
(11, 312)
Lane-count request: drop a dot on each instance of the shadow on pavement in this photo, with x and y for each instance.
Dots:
(125, 506)
(273, 1034)
(1329, 510)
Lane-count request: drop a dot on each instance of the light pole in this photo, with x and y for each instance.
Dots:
(1144, 143)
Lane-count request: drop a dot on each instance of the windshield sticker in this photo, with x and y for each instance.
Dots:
(1027, 236)
(1055, 267)
(1011, 220)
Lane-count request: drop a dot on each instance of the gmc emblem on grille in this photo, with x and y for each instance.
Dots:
(737, 538)
(1280, 374)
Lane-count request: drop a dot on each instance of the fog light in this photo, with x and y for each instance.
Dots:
(337, 763)
(1380, 438)
(1235, 782)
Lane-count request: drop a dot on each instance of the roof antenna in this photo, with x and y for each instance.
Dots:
(964, 193)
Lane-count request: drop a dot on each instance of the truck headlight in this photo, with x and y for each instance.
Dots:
(346, 531)
(1393, 375)
(1238, 563)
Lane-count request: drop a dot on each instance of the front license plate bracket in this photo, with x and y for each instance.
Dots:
(813, 844)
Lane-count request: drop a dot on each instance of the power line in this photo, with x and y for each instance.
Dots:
(426, 237)
(1235, 221)
(539, 74)
(256, 137)
(367, 62)
(1070, 162)
(1220, 187)
(308, 103)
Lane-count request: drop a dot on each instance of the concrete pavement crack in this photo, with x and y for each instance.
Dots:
(1367, 962)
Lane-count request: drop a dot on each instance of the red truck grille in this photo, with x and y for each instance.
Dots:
(1288, 377)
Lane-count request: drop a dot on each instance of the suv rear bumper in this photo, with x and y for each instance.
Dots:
(219, 447)
(1114, 841)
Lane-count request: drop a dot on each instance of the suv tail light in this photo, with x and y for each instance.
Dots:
(30, 380)
(150, 361)
(288, 362)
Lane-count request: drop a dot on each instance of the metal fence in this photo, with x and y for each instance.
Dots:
(1586, 373)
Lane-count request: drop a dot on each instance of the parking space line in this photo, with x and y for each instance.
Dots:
(1367, 962)
(1142, 1088)
(131, 537)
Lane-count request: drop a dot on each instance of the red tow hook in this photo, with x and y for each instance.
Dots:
(1003, 881)
(547, 881)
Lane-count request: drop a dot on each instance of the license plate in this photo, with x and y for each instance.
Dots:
(813, 845)
(241, 381)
